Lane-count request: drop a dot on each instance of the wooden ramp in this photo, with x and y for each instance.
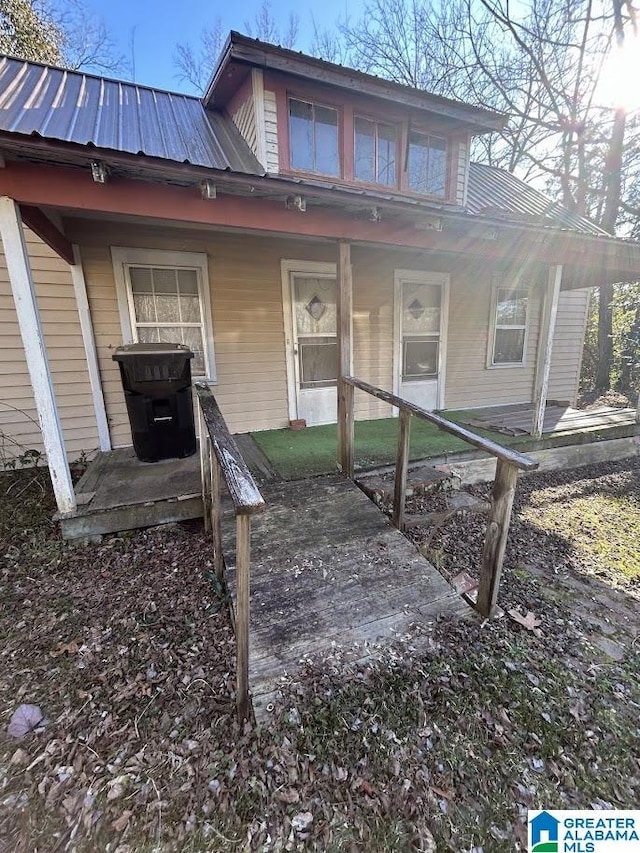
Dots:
(327, 566)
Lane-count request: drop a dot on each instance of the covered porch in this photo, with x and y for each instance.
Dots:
(118, 492)
(248, 253)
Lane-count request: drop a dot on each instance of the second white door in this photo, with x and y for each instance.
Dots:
(420, 337)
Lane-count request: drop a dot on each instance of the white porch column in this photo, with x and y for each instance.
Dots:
(86, 327)
(550, 300)
(24, 297)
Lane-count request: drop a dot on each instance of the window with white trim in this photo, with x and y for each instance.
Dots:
(510, 315)
(164, 299)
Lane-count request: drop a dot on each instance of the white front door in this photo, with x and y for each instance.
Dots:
(314, 347)
(420, 340)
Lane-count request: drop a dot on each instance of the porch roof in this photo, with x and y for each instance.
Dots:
(66, 120)
(111, 115)
(99, 116)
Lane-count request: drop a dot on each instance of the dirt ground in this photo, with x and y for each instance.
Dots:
(440, 744)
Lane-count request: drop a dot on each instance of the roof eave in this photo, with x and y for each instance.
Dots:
(252, 52)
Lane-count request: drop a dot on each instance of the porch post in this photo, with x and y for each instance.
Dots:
(545, 348)
(24, 297)
(345, 392)
(88, 339)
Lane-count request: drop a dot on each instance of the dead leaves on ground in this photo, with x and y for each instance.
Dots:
(529, 620)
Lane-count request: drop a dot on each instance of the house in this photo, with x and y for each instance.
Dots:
(298, 210)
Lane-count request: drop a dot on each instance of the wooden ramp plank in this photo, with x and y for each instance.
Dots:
(328, 567)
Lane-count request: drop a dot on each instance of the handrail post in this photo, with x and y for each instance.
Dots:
(205, 470)
(216, 516)
(495, 542)
(346, 426)
(243, 556)
(402, 465)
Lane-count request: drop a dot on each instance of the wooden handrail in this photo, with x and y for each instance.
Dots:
(509, 462)
(244, 492)
(221, 459)
(524, 463)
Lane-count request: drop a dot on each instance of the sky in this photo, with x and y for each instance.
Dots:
(155, 27)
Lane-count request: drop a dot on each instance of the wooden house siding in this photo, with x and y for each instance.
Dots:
(249, 332)
(248, 322)
(462, 174)
(271, 132)
(566, 360)
(19, 428)
(469, 382)
(243, 114)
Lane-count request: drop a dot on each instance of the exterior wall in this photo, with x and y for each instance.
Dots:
(241, 108)
(249, 332)
(19, 428)
(271, 132)
(469, 382)
(462, 172)
(248, 322)
(566, 358)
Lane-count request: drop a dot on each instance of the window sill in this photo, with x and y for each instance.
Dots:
(506, 365)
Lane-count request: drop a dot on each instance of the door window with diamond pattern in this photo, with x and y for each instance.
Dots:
(421, 309)
(315, 319)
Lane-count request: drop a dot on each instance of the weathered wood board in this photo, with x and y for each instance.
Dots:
(327, 566)
(556, 419)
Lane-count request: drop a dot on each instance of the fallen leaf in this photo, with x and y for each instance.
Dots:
(71, 648)
(302, 821)
(530, 621)
(25, 719)
(289, 796)
(120, 823)
(19, 757)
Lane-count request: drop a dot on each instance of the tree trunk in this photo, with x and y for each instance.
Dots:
(612, 188)
(605, 338)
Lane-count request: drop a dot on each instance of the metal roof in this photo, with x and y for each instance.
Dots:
(495, 193)
(69, 106)
(112, 115)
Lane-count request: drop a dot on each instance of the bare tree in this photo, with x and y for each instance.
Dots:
(540, 62)
(265, 27)
(86, 42)
(195, 65)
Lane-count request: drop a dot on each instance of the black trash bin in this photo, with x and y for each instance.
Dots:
(157, 387)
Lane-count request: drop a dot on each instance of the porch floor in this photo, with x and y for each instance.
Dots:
(118, 492)
(328, 567)
(517, 420)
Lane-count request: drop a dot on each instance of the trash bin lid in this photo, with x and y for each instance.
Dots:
(133, 350)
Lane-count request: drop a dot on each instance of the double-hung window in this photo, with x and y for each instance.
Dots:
(313, 138)
(163, 298)
(427, 164)
(510, 314)
(374, 152)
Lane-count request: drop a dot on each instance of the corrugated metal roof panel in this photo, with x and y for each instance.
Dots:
(69, 106)
(494, 192)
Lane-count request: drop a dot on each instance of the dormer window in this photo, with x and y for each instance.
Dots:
(313, 138)
(427, 166)
(374, 152)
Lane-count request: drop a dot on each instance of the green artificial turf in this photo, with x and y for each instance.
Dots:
(312, 451)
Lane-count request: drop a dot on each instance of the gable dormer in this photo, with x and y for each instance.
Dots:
(319, 122)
